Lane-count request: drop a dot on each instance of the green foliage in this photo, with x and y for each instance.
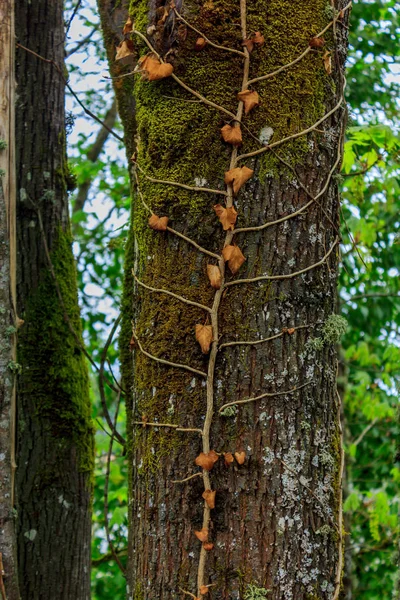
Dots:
(253, 592)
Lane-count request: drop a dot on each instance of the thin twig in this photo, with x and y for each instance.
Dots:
(266, 395)
(269, 339)
(199, 474)
(180, 18)
(188, 593)
(162, 291)
(171, 425)
(168, 363)
(106, 483)
(289, 276)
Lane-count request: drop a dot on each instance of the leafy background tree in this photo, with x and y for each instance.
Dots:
(369, 286)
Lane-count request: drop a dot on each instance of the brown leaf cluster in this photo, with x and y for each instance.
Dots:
(232, 135)
(227, 216)
(206, 460)
(158, 223)
(255, 40)
(152, 69)
(204, 335)
(238, 177)
(250, 99)
(234, 257)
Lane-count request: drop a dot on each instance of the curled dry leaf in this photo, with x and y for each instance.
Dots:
(204, 335)
(124, 50)
(234, 257)
(316, 42)
(232, 135)
(206, 460)
(132, 344)
(227, 216)
(327, 58)
(202, 535)
(208, 546)
(153, 69)
(203, 590)
(228, 457)
(128, 27)
(238, 177)
(200, 44)
(291, 331)
(209, 497)
(240, 457)
(258, 39)
(214, 275)
(250, 100)
(248, 44)
(158, 223)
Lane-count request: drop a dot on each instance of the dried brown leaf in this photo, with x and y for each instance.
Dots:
(228, 457)
(206, 460)
(153, 69)
(232, 135)
(248, 43)
(238, 177)
(124, 50)
(158, 223)
(202, 535)
(234, 257)
(214, 275)
(204, 335)
(200, 44)
(203, 590)
(128, 27)
(250, 99)
(316, 42)
(227, 216)
(327, 58)
(208, 546)
(240, 457)
(291, 331)
(209, 497)
(258, 39)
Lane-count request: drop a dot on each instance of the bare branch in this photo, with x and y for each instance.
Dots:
(266, 395)
(161, 291)
(199, 474)
(269, 339)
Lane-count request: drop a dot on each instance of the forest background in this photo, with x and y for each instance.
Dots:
(369, 286)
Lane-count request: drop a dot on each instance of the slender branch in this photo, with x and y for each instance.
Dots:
(161, 291)
(289, 276)
(81, 43)
(256, 342)
(107, 557)
(375, 295)
(199, 474)
(301, 56)
(188, 593)
(191, 188)
(171, 425)
(362, 171)
(106, 483)
(59, 71)
(168, 363)
(364, 432)
(180, 18)
(265, 395)
(294, 136)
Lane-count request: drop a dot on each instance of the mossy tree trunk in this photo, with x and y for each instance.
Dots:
(276, 528)
(55, 433)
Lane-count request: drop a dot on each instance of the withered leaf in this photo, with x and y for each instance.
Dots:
(250, 99)
(153, 69)
(316, 42)
(203, 590)
(240, 457)
(200, 44)
(214, 275)
(208, 546)
(158, 223)
(227, 216)
(206, 460)
(204, 335)
(124, 50)
(258, 39)
(238, 177)
(291, 331)
(228, 457)
(248, 43)
(128, 27)
(209, 497)
(202, 535)
(327, 58)
(232, 135)
(234, 257)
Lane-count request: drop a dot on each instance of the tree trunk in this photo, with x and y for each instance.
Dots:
(276, 528)
(8, 318)
(55, 433)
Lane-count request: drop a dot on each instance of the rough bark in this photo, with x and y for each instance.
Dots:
(8, 318)
(276, 527)
(55, 434)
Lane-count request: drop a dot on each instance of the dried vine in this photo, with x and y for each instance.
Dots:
(153, 67)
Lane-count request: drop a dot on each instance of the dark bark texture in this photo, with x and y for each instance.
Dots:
(276, 527)
(55, 433)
